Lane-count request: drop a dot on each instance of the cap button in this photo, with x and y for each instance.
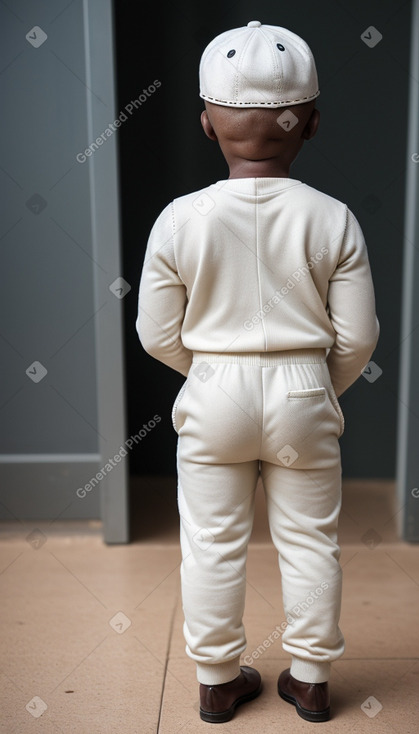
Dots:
(254, 24)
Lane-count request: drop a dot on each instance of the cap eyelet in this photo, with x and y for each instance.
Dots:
(280, 46)
(231, 53)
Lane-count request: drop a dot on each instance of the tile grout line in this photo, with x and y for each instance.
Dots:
(169, 646)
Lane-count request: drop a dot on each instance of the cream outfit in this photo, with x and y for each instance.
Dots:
(259, 290)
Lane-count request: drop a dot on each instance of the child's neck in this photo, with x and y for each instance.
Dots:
(269, 168)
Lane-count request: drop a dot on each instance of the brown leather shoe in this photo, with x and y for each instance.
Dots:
(219, 702)
(310, 699)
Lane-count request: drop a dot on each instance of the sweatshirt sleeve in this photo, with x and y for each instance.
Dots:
(351, 306)
(162, 299)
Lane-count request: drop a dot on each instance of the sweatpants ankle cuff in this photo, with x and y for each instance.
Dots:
(213, 675)
(309, 671)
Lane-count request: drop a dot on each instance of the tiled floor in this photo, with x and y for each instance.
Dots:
(91, 635)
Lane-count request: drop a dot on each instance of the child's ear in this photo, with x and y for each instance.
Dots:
(312, 125)
(208, 128)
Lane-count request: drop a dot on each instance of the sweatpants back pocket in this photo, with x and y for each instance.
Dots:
(311, 392)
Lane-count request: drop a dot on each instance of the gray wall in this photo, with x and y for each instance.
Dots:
(47, 296)
(408, 423)
(55, 284)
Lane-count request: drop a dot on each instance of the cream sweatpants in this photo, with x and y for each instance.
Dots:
(237, 415)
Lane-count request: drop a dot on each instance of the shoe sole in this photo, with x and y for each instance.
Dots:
(222, 716)
(305, 713)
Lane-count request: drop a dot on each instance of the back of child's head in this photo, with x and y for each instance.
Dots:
(259, 84)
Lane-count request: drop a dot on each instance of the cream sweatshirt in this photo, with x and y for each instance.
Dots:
(258, 265)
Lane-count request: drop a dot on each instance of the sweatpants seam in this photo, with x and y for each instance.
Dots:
(262, 417)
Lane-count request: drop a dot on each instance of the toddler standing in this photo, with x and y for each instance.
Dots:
(258, 290)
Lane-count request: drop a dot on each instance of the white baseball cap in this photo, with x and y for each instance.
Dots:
(258, 66)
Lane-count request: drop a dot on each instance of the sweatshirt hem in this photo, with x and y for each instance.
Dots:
(263, 359)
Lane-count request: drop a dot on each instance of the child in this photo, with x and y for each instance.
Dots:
(258, 289)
